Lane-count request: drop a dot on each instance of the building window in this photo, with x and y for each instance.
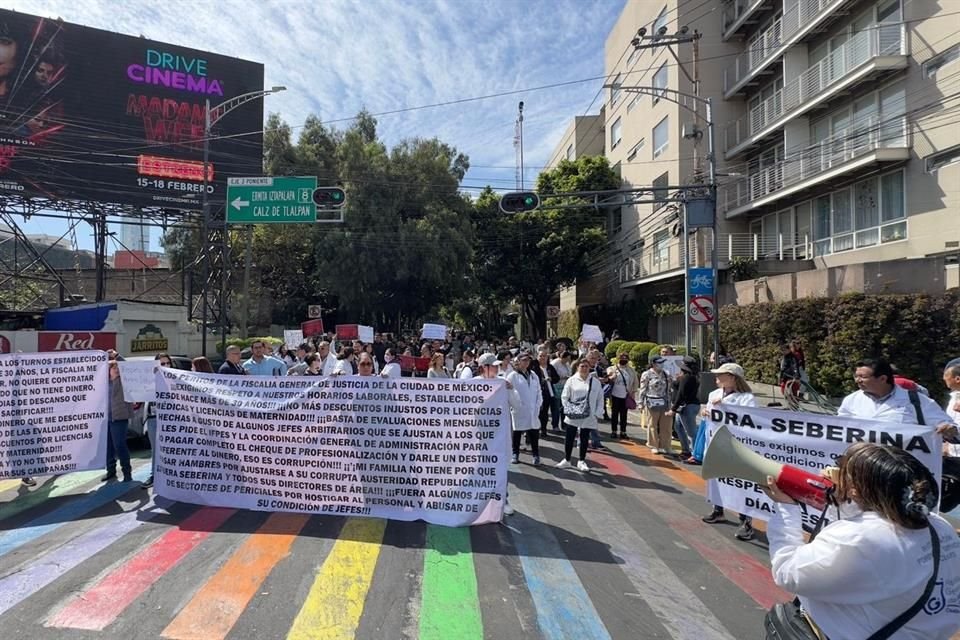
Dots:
(615, 90)
(634, 102)
(635, 149)
(932, 66)
(660, 191)
(633, 56)
(661, 21)
(661, 248)
(615, 134)
(870, 212)
(570, 152)
(661, 137)
(660, 82)
(616, 220)
(937, 161)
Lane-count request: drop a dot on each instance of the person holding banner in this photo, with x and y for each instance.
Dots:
(150, 413)
(118, 419)
(437, 368)
(232, 366)
(526, 415)
(314, 365)
(889, 568)
(732, 388)
(365, 364)
(582, 399)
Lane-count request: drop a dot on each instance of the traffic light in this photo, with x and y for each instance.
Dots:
(520, 201)
(329, 197)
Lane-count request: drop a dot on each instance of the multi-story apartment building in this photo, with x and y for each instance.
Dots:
(836, 139)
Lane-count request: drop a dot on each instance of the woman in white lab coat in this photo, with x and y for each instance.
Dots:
(873, 562)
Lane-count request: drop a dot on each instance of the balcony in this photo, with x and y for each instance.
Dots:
(767, 46)
(865, 143)
(657, 261)
(865, 57)
(770, 246)
(737, 14)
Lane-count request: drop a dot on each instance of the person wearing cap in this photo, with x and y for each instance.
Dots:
(526, 416)
(654, 390)
(732, 389)
(489, 368)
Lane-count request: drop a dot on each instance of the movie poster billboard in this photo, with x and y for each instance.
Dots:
(91, 114)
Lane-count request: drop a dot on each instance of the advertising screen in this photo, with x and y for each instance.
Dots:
(95, 115)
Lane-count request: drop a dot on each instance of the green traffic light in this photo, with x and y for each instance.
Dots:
(528, 201)
(337, 195)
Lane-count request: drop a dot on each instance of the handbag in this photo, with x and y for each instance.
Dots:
(787, 621)
(581, 408)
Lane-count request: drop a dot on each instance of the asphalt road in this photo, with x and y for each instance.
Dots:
(619, 552)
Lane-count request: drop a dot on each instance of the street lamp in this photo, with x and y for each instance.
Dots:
(212, 115)
(672, 95)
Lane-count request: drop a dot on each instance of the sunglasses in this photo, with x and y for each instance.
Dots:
(365, 364)
(165, 363)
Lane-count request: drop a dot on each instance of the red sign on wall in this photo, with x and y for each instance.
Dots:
(75, 340)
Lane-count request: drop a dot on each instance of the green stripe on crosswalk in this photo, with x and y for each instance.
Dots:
(450, 606)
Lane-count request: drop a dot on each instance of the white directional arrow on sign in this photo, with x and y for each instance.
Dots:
(237, 203)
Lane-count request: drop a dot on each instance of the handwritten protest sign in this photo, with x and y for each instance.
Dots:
(404, 448)
(53, 412)
(139, 385)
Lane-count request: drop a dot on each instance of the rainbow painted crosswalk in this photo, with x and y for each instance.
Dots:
(617, 553)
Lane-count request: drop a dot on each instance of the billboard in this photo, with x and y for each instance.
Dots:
(91, 114)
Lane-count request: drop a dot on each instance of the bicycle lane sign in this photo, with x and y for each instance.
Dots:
(700, 281)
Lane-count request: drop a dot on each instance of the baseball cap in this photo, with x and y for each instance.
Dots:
(731, 368)
(524, 354)
(487, 359)
(657, 360)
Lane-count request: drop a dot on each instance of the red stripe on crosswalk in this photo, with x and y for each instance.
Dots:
(102, 603)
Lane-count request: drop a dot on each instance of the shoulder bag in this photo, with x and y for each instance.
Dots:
(579, 409)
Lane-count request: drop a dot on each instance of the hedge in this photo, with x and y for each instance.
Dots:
(640, 355)
(245, 343)
(654, 350)
(612, 348)
(917, 332)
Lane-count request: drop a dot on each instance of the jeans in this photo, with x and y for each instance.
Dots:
(686, 423)
(117, 448)
(618, 414)
(152, 434)
(534, 438)
(571, 436)
(556, 412)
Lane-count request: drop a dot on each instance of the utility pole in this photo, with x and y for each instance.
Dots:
(247, 262)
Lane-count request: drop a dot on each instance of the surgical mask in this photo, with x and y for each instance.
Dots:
(657, 367)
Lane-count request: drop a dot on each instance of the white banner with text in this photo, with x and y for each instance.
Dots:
(53, 412)
(809, 441)
(404, 449)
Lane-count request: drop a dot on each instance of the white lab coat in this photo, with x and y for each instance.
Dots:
(863, 571)
(329, 364)
(527, 414)
(953, 450)
(391, 370)
(736, 398)
(574, 390)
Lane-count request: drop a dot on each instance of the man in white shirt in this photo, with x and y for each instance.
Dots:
(880, 399)
(329, 360)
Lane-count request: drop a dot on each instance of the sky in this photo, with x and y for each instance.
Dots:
(338, 56)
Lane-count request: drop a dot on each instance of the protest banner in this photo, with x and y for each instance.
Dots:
(139, 384)
(809, 441)
(292, 338)
(406, 449)
(348, 332)
(591, 333)
(671, 365)
(53, 412)
(312, 328)
(433, 332)
(364, 333)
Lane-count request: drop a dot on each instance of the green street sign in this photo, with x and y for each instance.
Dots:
(271, 200)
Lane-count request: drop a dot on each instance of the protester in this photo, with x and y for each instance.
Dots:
(467, 369)
(314, 365)
(392, 367)
(654, 386)
(201, 365)
(345, 363)
(686, 404)
(489, 369)
(600, 373)
(561, 364)
(505, 359)
(263, 364)
(624, 384)
(582, 399)
(732, 389)
(365, 364)
(878, 398)
(329, 360)
(300, 368)
(951, 378)
(150, 418)
(877, 561)
(905, 382)
(118, 417)
(548, 380)
(437, 368)
(789, 373)
(231, 365)
(525, 417)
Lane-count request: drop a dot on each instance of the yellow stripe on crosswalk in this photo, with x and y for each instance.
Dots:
(333, 607)
(6, 485)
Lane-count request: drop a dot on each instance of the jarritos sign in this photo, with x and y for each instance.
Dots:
(149, 338)
(76, 341)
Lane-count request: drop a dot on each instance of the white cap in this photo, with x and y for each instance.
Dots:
(731, 368)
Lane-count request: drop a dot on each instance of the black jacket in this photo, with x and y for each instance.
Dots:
(687, 388)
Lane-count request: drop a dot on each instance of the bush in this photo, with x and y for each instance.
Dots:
(612, 348)
(917, 332)
(640, 354)
(244, 343)
(654, 350)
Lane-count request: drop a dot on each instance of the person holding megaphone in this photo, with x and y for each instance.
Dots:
(887, 567)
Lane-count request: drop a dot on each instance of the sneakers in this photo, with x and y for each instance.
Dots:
(507, 509)
(515, 459)
(583, 466)
(715, 516)
(654, 450)
(563, 464)
(27, 481)
(536, 461)
(146, 484)
(745, 531)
